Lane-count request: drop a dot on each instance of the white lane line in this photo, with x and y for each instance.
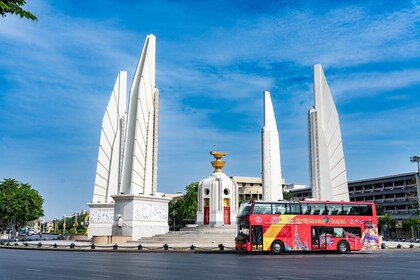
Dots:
(33, 269)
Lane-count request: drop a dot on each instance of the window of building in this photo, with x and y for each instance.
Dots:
(399, 183)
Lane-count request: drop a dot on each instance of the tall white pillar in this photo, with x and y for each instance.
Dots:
(271, 167)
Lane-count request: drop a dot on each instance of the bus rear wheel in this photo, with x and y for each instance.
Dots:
(277, 247)
(343, 247)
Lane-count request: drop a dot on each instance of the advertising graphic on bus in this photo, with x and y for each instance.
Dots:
(306, 226)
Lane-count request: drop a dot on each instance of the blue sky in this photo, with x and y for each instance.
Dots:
(214, 59)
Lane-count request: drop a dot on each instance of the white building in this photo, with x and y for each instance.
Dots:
(327, 165)
(217, 196)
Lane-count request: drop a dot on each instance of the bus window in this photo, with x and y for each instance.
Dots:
(365, 210)
(294, 208)
(317, 209)
(260, 208)
(354, 210)
(334, 209)
(347, 209)
(279, 208)
(306, 208)
(352, 232)
(335, 231)
(244, 209)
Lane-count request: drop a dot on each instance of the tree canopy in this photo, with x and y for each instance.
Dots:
(386, 221)
(15, 7)
(184, 208)
(18, 201)
(411, 225)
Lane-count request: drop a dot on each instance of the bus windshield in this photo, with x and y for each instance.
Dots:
(244, 209)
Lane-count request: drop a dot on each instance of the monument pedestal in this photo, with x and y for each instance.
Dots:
(140, 216)
(101, 219)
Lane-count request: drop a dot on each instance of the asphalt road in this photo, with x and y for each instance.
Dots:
(34, 264)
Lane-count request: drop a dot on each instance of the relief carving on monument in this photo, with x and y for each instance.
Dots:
(102, 216)
(151, 212)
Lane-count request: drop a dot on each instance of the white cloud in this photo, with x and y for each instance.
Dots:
(363, 84)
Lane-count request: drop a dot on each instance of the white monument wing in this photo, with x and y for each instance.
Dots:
(109, 156)
(328, 169)
(139, 174)
(271, 179)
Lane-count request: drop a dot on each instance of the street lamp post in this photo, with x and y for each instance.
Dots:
(417, 159)
(64, 225)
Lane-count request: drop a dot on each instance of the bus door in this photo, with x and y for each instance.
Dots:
(319, 238)
(257, 238)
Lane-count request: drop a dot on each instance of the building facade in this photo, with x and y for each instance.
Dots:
(395, 195)
(248, 187)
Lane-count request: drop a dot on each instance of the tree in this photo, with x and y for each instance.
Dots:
(15, 7)
(411, 225)
(191, 201)
(386, 222)
(380, 210)
(19, 203)
(175, 211)
(184, 208)
(288, 196)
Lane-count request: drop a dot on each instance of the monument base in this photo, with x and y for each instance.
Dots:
(101, 219)
(140, 216)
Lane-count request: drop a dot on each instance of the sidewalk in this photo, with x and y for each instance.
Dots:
(135, 245)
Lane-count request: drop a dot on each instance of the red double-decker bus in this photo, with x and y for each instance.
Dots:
(306, 226)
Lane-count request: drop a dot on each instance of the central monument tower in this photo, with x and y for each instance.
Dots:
(217, 194)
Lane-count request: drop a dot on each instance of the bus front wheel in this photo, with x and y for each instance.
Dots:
(343, 247)
(277, 247)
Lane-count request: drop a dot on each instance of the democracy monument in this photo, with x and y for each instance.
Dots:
(126, 205)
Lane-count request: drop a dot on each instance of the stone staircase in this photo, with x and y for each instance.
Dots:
(201, 236)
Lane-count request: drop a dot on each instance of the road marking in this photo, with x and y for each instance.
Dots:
(33, 269)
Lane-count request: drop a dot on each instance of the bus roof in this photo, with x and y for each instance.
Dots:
(313, 202)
